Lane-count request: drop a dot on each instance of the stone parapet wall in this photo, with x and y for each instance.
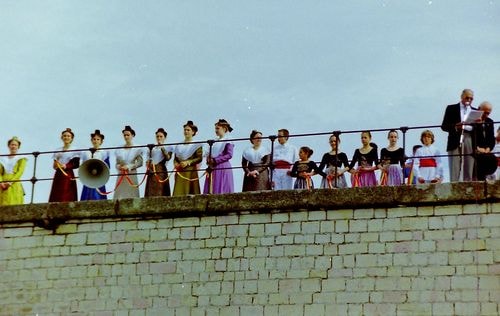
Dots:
(275, 253)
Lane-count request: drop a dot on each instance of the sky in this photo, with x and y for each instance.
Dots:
(309, 66)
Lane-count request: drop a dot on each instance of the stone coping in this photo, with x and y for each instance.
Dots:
(50, 215)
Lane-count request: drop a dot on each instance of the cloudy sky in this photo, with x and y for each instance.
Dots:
(309, 66)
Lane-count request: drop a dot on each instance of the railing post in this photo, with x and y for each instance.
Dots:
(33, 179)
(209, 165)
(404, 129)
(271, 162)
(336, 134)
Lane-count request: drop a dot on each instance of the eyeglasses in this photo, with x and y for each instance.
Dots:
(469, 98)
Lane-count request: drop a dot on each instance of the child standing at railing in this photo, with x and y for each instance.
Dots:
(427, 167)
(304, 169)
(392, 160)
(367, 159)
(333, 161)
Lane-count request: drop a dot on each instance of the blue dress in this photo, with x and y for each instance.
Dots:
(91, 193)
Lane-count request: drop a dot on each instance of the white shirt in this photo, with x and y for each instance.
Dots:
(286, 152)
(464, 112)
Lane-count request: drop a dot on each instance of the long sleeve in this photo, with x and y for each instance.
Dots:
(136, 163)
(324, 162)
(196, 158)
(19, 169)
(266, 160)
(355, 158)
(416, 164)
(294, 172)
(317, 170)
(226, 154)
(74, 163)
(244, 165)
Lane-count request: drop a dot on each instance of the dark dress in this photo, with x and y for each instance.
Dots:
(64, 185)
(484, 137)
(364, 178)
(331, 162)
(256, 160)
(393, 163)
(304, 166)
(157, 183)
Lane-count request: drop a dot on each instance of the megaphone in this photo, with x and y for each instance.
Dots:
(93, 173)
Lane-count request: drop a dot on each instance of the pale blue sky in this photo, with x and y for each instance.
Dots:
(309, 66)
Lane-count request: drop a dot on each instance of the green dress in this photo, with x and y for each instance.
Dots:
(12, 169)
(186, 180)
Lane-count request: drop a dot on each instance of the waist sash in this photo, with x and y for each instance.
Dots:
(282, 164)
(428, 162)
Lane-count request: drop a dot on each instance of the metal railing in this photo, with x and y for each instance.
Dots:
(34, 180)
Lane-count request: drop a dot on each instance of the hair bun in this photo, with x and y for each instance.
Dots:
(129, 129)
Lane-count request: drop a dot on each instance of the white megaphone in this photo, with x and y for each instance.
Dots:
(93, 173)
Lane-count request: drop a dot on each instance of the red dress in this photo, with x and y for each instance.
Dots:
(64, 185)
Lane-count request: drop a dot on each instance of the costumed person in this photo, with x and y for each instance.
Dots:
(483, 141)
(496, 151)
(284, 155)
(220, 178)
(392, 159)
(304, 169)
(366, 159)
(188, 156)
(408, 170)
(158, 183)
(96, 138)
(64, 185)
(333, 161)
(128, 159)
(255, 162)
(427, 166)
(459, 145)
(11, 170)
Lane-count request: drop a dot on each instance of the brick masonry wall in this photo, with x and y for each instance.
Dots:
(441, 260)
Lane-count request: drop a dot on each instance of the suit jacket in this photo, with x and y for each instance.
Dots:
(451, 118)
(484, 134)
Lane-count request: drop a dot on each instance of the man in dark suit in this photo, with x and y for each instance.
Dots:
(484, 142)
(459, 137)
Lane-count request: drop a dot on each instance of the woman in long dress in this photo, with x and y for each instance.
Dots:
(11, 170)
(392, 161)
(255, 162)
(96, 139)
(158, 183)
(65, 161)
(128, 159)
(220, 178)
(187, 158)
(366, 158)
(333, 161)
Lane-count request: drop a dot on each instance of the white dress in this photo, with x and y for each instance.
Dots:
(126, 183)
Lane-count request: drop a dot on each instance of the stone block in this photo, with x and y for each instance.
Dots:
(340, 214)
(280, 217)
(402, 212)
(253, 219)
